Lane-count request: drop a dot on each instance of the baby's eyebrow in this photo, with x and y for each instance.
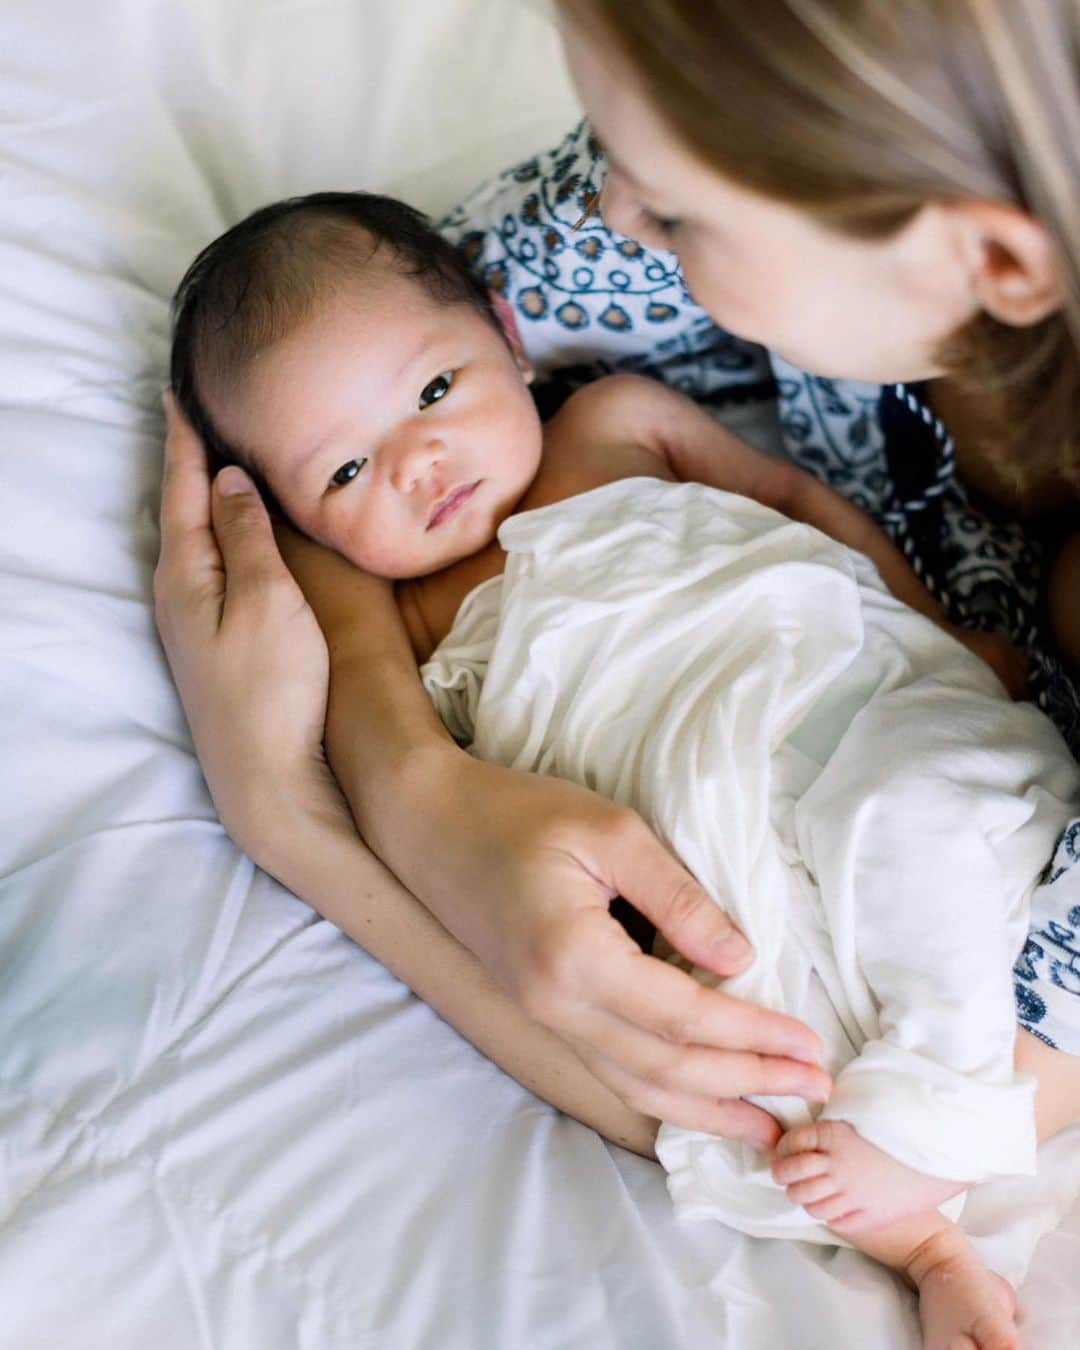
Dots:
(306, 456)
(413, 359)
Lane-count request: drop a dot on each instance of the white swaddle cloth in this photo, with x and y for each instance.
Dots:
(851, 784)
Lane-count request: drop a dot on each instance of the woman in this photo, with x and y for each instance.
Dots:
(885, 193)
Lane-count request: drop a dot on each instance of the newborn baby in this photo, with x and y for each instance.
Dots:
(637, 600)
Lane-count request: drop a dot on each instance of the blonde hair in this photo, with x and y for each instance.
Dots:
(862, 112)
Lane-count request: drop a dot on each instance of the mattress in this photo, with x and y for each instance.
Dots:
(222, 1124)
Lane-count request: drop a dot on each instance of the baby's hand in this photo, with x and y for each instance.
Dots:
(1008, 663)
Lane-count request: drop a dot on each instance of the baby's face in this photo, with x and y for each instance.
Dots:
(397, 431)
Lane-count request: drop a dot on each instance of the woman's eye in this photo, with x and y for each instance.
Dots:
(663, 226)
(437, 389)
(347, 472)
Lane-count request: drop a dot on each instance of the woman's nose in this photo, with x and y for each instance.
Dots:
(413, 459)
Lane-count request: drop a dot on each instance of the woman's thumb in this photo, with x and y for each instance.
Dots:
(242, 526)
(234, 481)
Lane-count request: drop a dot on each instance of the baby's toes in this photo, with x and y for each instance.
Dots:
(799, 1167)
(833, 1211)
(802, 1139)
(823, 1136)
(854, 1222)
(815, 1191)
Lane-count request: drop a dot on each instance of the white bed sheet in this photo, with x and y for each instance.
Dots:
(222, 1125)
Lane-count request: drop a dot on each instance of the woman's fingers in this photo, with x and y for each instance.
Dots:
(669, 1046)
(644, 873)
(701, 1067)
(674, 1006)
(667, 1001)
(728, 1119)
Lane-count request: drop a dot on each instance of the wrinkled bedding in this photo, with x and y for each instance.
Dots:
(222, 1125)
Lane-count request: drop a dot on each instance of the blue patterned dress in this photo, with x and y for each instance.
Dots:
(590, 302)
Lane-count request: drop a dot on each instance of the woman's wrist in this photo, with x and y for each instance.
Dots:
(396, 803)
(386, 745)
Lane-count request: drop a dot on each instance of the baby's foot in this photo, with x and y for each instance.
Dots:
(962, 1305)
(839, 1178)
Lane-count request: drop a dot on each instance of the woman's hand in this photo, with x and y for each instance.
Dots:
(522, 869)
(246, 652)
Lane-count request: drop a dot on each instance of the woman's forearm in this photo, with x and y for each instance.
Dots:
(322, 859)
(379, 716)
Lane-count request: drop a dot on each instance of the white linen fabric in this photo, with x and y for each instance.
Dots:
(222, 1125)
(849, 782)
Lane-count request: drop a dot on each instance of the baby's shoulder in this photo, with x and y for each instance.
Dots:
(618, 407)
(603, 432)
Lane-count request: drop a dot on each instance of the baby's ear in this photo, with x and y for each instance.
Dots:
(504, 312)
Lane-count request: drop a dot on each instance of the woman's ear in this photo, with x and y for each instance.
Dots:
(1015, 275)
(504, 312)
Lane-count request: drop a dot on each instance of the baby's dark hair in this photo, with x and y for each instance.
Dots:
(258, 281)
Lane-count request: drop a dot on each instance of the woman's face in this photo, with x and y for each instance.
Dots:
(828, 302)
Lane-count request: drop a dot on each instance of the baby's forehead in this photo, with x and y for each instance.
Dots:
(382, 285)
(368, 332)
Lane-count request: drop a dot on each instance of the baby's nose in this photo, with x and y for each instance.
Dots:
(414, 460)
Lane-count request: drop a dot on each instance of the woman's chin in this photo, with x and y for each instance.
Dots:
(865, 368)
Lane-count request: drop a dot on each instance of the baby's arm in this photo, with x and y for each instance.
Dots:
(695, 449)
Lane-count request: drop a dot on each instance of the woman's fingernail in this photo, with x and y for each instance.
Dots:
(732, 945)
(233, 480)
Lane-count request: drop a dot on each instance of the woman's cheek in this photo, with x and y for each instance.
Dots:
(731, 308)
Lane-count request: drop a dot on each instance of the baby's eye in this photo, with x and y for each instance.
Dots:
(437, 389)
(347, 472)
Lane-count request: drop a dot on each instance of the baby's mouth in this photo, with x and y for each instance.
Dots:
(451, 502)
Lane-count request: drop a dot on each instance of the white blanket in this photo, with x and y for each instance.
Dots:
(847, 780)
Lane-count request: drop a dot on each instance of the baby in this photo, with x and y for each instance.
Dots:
(342, 351)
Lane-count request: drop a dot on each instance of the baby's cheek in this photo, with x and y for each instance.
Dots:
(379, 550)
(390, 558)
